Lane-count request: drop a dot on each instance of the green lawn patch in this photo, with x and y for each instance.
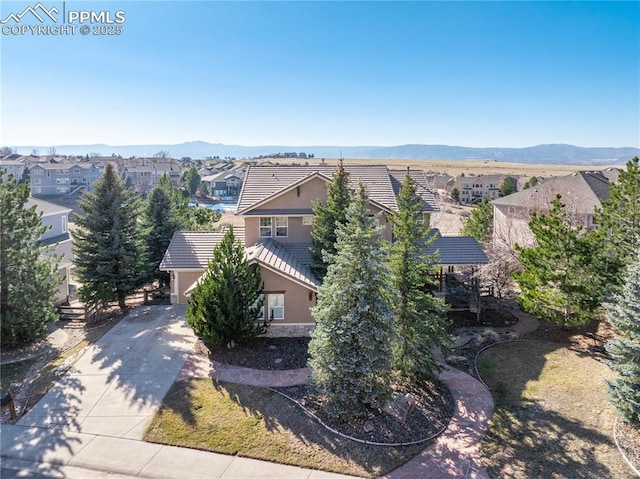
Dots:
(553, 418)
(258, 423)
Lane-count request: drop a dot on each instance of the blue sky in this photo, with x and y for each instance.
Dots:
(504, 74)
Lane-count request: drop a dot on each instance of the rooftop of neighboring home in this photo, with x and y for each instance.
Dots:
(456, 250)
(263, 183)
(46, 207)
(582, 191)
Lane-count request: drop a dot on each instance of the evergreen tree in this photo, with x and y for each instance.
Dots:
(28, 281)
(509, 185)
(350, 349)
(191, 180)
(227, 304)
(326, 221)
(624, 315)
(533, 181)
(419, 316)
(480, 223)
(619, 217)
(111, 258)
(161, 221)
(557, 280)
(455, 195)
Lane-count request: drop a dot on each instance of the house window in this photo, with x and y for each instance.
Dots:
(64, 224)
(275, 303)
(36, 172)
(37, 181)
(307, 220)
(77, 171)
(265, 227)
(282, 226)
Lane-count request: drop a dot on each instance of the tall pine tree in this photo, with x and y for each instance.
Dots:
(558, 281)
(227, 304)
(419, 316)
(111, 258)
(327, 219)
(480, 223)
(619, 217)
(28, 281)
(161, 220)
(350, 349)
(624, 315)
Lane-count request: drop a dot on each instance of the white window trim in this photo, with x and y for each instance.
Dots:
(262, 227)
(64, 224)
(280, 227)
(269, 307)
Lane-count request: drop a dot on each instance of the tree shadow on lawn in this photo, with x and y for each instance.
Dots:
(290, 436)
(529, 441)
(549, 420)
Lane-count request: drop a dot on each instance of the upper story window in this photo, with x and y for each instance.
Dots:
(76, 171)
(265, 227)
(282, 226)
(36, 172)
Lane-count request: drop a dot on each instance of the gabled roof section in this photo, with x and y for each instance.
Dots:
(264, 183)
(582, 192)
(273, 256)
(424, 189)
(457, 250)
(193, 249)
(46, 207)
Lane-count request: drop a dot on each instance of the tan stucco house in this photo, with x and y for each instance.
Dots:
(581, 193)
(276, 203)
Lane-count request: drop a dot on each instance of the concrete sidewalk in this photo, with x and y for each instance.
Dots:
(90, 424)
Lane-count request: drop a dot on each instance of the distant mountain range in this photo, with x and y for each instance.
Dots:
(551, 154)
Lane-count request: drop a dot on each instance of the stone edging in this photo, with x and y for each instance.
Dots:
(362, 441)
(615, 438)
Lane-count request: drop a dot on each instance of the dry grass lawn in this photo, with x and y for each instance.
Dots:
(553, 418)
(258, 423)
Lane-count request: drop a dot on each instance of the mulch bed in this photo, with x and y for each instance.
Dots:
(629, 442)
(434, 409)
(260, 353)
(490, 317)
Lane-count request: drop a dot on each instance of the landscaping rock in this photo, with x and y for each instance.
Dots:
(368, 426)
(401, 407)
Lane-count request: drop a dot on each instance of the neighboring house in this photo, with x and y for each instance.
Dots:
(12, 167)
(581, 193)
(474, 189)
(223, 183)
(144, 177)
(277, 206)
(56, 218)
(48, 179)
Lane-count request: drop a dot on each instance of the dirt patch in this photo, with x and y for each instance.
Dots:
(260, 353)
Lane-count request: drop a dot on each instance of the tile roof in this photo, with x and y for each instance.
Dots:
(424, 189)
(280, 212)
(582, 192)
(273, 256)
(457, 250)
(287, 262)
(261, 183)
(192, 249)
